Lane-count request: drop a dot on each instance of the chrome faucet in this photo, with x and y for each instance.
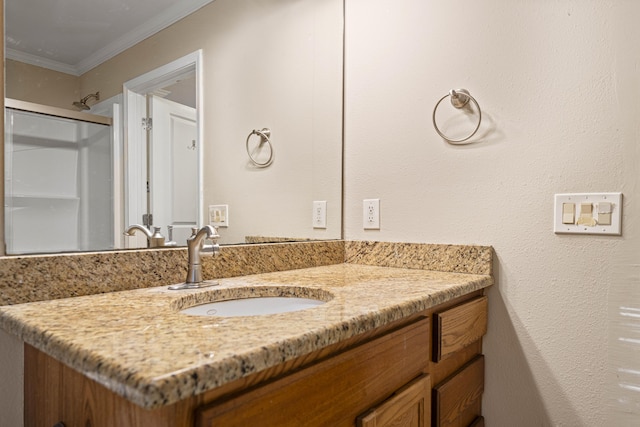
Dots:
(195, 244)
(154, 240)
(196, 248)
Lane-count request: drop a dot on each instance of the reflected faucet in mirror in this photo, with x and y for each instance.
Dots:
(155, 239)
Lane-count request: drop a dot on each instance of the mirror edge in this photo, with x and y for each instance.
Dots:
(2, 241)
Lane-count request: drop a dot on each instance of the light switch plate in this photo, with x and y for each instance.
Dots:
(611, 203)
(219, 215)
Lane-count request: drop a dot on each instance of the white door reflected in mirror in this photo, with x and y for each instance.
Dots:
(173, 167)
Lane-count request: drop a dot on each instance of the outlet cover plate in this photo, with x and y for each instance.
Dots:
(615, 201)
(371, 214)
(319, 214)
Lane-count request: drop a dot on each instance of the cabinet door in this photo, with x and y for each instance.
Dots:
(408, 407)
(458, 400)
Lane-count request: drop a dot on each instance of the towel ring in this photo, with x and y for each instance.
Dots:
(264, 137)
(459, 98)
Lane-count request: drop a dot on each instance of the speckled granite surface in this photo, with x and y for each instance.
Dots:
(39, 278)
(44, 277)
(137, 344)
(452, 258)
(268, 239)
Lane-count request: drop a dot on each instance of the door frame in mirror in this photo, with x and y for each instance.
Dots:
(3, 248)
(135, 138)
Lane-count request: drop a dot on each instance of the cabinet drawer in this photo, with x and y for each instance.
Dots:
(456, 328)
(458, 400)
(333, 392)
(409, 406)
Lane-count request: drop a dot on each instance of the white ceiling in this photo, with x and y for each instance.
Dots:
(74, 36)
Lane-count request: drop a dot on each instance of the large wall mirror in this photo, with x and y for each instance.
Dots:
(256, 79)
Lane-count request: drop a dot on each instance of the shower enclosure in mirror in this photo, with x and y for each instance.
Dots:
(58, 180)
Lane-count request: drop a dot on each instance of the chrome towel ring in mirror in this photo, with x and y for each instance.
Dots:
(264, 135)
(459, 99)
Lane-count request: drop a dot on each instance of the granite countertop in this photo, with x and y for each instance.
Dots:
(137, 344)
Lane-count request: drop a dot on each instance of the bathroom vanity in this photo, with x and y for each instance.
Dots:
(387, 343)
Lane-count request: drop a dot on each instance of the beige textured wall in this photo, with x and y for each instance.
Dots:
(40, 85)
(558, 83)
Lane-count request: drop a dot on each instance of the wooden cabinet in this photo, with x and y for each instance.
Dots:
(410, 406)
(458, 365)
(385, 377)
(458, 400)
(332, 392)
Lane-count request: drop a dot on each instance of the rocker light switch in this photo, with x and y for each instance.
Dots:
(604, 213)
(586, 215)
(568, 213)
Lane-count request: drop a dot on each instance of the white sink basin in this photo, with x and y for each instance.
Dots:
(252, 306)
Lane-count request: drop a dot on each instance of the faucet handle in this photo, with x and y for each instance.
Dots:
(157, 239)
(169, 242)
(210, 250)
(213, 248)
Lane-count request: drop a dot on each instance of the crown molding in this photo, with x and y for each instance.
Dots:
(159, 22)
(39, 61)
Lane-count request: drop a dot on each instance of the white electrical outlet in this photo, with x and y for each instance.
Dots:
(219, 215)
(371, 214)
(319, 214)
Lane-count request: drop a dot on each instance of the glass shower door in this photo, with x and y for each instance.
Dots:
(58, 178)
